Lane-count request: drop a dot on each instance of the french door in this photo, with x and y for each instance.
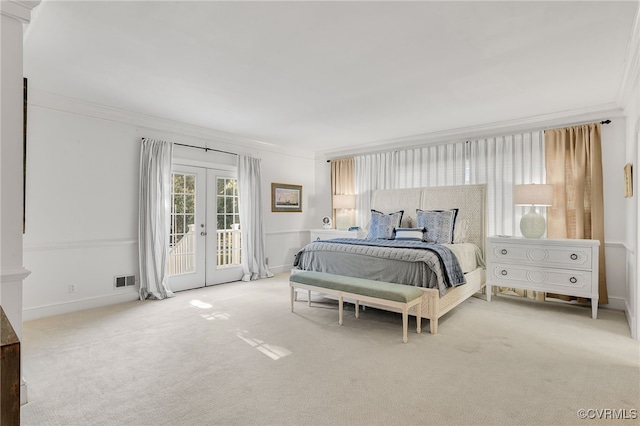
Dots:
(204, 243)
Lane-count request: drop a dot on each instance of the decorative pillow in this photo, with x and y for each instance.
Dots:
(460, 232)
(440, 225)
(414, 234)
(383, 226)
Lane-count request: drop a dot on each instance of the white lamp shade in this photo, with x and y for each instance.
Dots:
(533, 195)
(344, 201)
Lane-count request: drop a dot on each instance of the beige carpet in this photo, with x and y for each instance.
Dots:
(235, 355)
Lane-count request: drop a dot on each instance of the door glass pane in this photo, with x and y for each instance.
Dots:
(228, 237)
(182, 233)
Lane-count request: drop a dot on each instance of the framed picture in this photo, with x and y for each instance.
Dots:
(628, 180)
(286, 198)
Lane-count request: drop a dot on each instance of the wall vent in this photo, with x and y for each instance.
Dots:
(124, 281)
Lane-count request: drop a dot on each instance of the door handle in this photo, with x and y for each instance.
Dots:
(203, 233)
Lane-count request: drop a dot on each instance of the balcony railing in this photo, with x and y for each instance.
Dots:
(182, 256)
(228, 249)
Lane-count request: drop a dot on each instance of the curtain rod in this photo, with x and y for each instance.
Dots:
(203, 147)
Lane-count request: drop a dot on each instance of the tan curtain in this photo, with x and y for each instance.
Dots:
(573, 157)
(342, 181)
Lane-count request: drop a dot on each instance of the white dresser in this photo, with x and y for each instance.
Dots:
(561, 266)
(328, 234)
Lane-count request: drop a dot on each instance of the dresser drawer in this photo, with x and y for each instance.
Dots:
(559, 257)
(562, 281)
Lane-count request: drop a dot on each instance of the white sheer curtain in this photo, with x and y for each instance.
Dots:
(434, 165)
(502, 162)
(373, 171)
(154, 217)
(251, 219)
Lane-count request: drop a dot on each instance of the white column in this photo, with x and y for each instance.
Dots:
(14, 14)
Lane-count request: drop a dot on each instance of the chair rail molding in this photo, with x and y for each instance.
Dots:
(13, 274)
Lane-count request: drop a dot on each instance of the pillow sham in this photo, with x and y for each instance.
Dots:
(440, 225)
(414, 234)
(461, 230)
(383, 226)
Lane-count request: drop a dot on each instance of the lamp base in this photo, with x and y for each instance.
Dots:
(532, 224)
(343, 220)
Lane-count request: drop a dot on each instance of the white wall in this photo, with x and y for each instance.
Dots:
(615, 229)
(629, 99)
(82, 202)
(631, 207)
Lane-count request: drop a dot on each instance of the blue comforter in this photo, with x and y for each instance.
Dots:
(412, 251)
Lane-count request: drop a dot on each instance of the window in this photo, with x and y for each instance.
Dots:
(182, 230)
(228, 222)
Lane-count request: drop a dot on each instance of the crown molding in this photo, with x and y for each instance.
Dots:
(528, 124)
(18, 9)
(631, 64)
(214, 138)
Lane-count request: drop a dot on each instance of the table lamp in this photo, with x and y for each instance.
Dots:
(342, 203)
(532, 224)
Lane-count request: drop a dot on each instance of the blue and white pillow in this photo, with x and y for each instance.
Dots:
(383, 226)
(410, 234)
(440, 225)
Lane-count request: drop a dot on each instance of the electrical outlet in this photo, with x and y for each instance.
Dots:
(72, 288)
(266, 260)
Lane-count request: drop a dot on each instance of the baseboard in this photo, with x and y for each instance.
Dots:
(280, 269)
(77, 305)
(616, 303)
(23, 391)
(631, 319)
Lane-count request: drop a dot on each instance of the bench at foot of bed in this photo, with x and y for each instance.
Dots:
(382, 294)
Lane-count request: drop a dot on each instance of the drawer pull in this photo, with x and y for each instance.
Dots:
(503, 272)
(573, 280)
(574, 256)
(503, 251)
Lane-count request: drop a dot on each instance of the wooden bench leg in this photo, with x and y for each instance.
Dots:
(405, 320)
(293, 292)
(340, 310)
(419, 318)
(357, 308)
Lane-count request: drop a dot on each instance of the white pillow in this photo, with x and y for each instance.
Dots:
(415, 234)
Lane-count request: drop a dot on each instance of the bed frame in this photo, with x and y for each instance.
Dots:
(471, 200)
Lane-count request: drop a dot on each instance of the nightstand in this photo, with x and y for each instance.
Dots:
(561, 266)
(328, 234)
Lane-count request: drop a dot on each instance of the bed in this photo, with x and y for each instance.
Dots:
(405, 265)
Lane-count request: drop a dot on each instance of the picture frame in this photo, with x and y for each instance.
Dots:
(628, 180)
(286, 198)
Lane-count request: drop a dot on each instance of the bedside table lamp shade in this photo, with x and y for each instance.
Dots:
(342, 203)
(532, 224)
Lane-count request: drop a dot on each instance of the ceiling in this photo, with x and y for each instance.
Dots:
(324, 76)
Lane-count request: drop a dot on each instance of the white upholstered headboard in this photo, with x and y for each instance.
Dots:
(470, 200)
